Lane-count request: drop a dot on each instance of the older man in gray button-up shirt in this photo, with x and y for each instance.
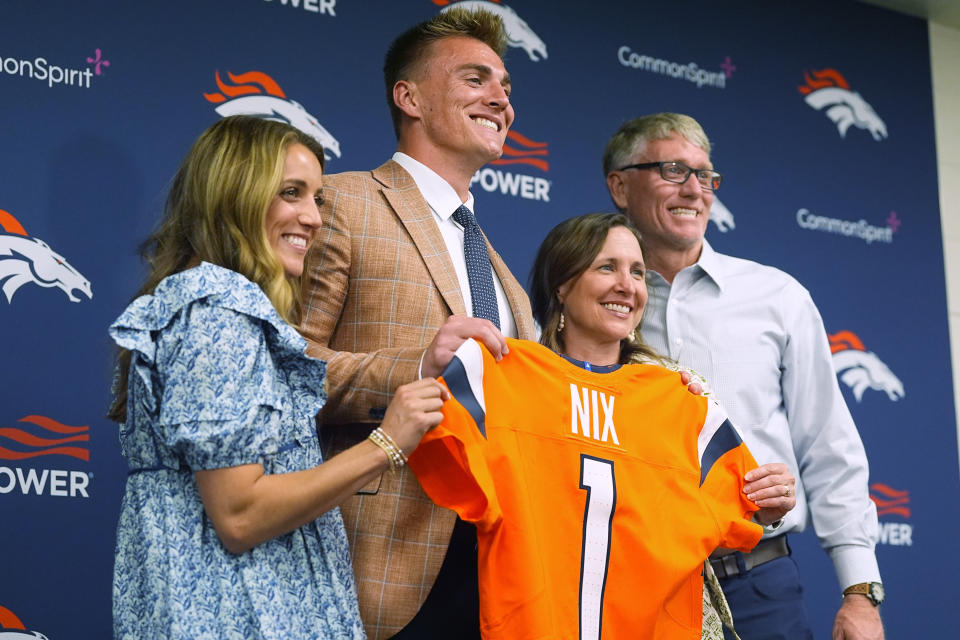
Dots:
(756, 335)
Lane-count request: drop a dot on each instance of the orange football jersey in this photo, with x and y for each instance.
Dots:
(596, 496)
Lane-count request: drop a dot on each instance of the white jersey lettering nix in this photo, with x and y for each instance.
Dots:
(585, 413)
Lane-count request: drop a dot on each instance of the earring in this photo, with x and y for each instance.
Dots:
(560, 325)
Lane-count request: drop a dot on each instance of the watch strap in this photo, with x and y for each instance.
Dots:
(864, 589)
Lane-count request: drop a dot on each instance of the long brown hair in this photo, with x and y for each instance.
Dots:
(565, 253)
(216, 211)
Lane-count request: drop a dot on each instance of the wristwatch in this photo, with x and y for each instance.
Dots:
(872, 590)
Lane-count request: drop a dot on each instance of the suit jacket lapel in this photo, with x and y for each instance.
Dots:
(416, 217)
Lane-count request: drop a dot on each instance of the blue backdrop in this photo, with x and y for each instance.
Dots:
(822, 122)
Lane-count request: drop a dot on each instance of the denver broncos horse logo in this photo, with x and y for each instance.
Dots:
(256, 94)
(861, 369)
(721, 216)
(11, 628)
(828, 88)
(26, 260)
(519, 32)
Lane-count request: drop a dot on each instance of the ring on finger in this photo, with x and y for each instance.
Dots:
(787, 491)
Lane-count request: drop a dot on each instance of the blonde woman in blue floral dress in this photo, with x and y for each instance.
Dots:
(229, 526)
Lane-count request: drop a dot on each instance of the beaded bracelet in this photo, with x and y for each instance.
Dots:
(394, 453)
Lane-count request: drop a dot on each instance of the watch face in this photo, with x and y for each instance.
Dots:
(876, 592)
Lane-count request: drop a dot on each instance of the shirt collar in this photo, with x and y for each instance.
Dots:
(711, 264)
(708, 263)
(438, 193)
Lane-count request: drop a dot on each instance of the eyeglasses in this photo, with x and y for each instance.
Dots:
(679, 172)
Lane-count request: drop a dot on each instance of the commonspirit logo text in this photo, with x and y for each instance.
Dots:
(40, 69)
(690, 72)
(850, 228)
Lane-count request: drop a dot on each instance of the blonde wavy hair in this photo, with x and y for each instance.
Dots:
(216, 212)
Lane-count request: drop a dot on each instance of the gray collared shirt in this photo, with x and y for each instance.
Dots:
(754, 332)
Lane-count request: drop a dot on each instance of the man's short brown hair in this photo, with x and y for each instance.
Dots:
(411, 48)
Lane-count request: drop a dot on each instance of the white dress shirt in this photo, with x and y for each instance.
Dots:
(444, 201)
(755, 334)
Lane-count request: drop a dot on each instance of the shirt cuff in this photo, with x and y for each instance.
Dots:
(768, 528)
(773, 526)
(854, 564)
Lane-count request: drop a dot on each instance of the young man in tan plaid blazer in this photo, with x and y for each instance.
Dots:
(383, 304)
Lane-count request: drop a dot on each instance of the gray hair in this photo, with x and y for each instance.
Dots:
(632, 137)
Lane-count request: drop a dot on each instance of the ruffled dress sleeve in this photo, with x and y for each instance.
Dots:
(216, 372)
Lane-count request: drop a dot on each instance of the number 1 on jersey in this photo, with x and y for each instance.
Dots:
(596, 477)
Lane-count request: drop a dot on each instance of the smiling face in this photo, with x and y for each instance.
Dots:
(293, 216)
(458, 102)
(670, 216)
(602, 305)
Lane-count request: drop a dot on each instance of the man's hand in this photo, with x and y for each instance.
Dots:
(857, 619)
(772, 488)
(452, 334)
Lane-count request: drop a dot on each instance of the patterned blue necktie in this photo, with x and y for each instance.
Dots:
(478, 267)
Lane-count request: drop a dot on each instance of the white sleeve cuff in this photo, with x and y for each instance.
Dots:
(854, 564)
(768, 528)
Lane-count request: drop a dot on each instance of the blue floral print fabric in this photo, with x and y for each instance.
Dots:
(217, 380)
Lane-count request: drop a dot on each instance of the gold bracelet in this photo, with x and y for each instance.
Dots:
(395, 455)
(401, 457)
(385, 442)
(375, 439)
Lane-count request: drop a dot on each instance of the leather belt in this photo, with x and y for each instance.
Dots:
(765, 551)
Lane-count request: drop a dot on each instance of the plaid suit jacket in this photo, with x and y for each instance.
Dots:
(377, 285)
